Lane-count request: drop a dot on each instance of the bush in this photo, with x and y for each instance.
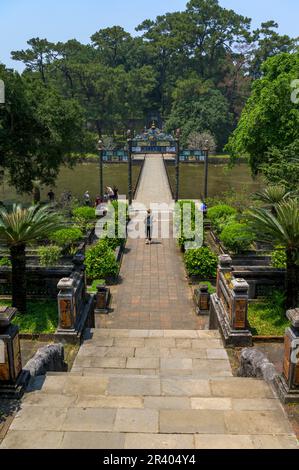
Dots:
(67, 236)
(188, 234)
(5, 261)
(201, 262)
(86, 213)
(279, 258)
(113, 243)
(49, 255)
(220, 215)
(237, 237)
(100, 261)
(84, 217)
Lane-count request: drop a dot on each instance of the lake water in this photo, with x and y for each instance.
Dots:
(221, 179)
(86, 177)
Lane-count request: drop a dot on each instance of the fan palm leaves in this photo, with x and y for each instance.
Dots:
(18, 228)
(273, 195)
(282, 228)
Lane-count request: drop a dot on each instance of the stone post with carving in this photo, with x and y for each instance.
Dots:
(67, 314)
(287, 384)
(13, 379)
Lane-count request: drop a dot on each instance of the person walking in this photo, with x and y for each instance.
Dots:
(87, 198)
(149, 227)
(115, 190)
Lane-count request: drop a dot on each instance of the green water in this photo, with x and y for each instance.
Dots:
(221, 179)
(83, 177)
(86, 177)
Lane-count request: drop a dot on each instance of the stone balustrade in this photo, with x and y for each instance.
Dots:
(229, 306)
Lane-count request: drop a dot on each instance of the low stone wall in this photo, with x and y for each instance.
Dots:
(41, 282)
(229, 306)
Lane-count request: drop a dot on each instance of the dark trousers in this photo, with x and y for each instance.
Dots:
(149, 233)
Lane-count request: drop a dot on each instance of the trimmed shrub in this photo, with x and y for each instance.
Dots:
(187, 234)
(201, 262)
(100, 261)
(5, 261)
(49, 255)
(237, 237)
(84, 217)
(86, 213)
(279, 258)
(66, 236)
(220, 215)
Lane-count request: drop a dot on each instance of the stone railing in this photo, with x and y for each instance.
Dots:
(287, 384)
(229, 306)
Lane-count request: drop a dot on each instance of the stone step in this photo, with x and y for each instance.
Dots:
(148, 385)
(124, 333)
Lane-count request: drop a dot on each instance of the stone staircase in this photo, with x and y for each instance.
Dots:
(150, 389)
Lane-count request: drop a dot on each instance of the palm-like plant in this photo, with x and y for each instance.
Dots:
(282, 228)
(18, 228)
(273, 195)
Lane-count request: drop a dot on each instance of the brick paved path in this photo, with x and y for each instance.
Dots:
(154, 293)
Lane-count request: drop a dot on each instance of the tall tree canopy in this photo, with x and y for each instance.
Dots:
(38, 129)
(270, 119)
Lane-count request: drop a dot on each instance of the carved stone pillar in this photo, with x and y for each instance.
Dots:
(287, 384)
(12, 378)
(202, 300)
(66, 306)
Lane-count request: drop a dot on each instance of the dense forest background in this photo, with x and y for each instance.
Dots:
(194, 67)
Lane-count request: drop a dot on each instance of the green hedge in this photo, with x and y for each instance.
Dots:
(49, 255)
(201, 262)
(67, 236)
(237, 237)
(220, 215)
(184, 236)
(86, 213)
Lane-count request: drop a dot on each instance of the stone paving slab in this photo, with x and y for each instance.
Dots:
(192, 422)
(137, 421)
(89, 419)
(92, 440)
(159, 441)
(32, 439)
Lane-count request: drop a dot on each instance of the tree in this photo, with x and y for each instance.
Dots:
(282, 166)
(199, 107)
(268, 43)
(270, 118)
(37, 57)
(282, 229)
(113, 45)
(17, 229)
(197, 140)
(38, 130)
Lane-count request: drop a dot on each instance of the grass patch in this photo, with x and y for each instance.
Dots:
(41, 317)
(267, 319)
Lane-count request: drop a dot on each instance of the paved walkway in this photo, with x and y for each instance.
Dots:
(154, 292)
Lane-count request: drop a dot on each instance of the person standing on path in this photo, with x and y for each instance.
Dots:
(149, 227)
